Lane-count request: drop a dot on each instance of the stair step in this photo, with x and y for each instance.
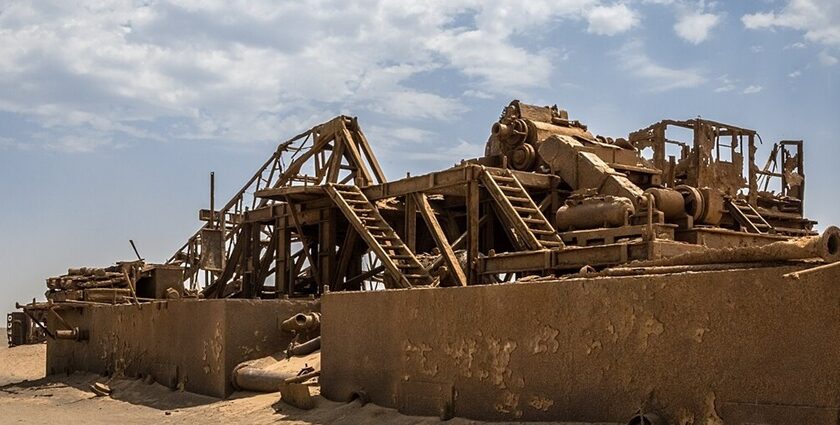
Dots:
(518, 199)
(533, 220)
(523, 209)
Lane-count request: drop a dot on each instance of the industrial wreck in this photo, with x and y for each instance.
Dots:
(560, 276)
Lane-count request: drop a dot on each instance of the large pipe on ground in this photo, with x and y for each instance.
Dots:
(251, 378)
(307, 347)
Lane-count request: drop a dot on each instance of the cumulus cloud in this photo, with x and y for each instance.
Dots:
(634, 59)
(827, 59)
(611, 20)
(752, 89)
(818, 19)
(695, 28)
(247, 71)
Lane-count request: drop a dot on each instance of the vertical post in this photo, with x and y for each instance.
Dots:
(411, 223)
(212, 199)
(326, 248)
(473, 204)
(281, 262)
(752, 195)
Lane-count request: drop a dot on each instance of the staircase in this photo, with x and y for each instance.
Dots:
(398, 260)
(519, 211)
(748, 217)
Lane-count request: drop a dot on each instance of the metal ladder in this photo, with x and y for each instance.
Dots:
(398, 260)
(519, 210)
(748, 217)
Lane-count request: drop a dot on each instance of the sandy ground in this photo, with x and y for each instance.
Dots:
(27, 397)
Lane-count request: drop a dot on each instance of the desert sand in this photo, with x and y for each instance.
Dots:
(28, 397)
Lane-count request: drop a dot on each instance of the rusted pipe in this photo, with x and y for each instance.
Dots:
(301, 322)
(307, 347)
(250, 378)
(825, 246)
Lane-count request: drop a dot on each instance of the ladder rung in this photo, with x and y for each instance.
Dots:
(523, 209)
(354, 201)
(503, 178)
(518, 199)
(550, 243)
(542, 232)
(534, 220)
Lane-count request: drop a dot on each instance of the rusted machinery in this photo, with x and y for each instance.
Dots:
(548, 197)
(548, 200)
(23, 328)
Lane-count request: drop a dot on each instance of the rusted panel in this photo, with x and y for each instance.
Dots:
(597, 349)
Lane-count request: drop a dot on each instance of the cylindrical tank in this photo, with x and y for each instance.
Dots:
(250, 378)
(705, 204)
(594, 212)
(669, 201)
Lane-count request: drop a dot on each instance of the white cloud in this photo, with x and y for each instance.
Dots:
(752, 89)
(633, 58)
(797, 45)
(695, 28)
(818, 19)
(795, 74)
(611, 20)
(248, 71)
(827, 59)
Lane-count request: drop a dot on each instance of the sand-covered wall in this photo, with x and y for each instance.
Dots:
(188, 344)
(745, 346)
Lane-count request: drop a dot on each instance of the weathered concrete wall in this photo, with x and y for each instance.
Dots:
(745, 346)
(191, 343)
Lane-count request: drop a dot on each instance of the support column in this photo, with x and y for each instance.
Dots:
(281, 258)
(411, 223)
(473, 211)
(326, 248)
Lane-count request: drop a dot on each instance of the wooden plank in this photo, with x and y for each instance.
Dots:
(411, 223)
(282, 260)
(364, 178)
(473, 228)
(374, 163)
(335, 163)
(440, 238)
(326, 248)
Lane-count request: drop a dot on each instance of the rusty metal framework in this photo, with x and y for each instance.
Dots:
(548, 197)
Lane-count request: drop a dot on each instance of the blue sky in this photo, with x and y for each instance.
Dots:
(112, 114)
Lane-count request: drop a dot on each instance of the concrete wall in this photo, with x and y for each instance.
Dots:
(733, 347)
(191, 343)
